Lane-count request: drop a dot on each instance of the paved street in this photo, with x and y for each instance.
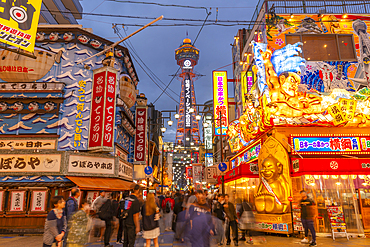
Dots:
(167, 239)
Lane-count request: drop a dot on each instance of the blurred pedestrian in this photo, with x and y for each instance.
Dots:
(246, 221)
(56, 223)
(96, 205)
(132, 224)
(178, 223)
(307, 218)
(115, 205)
(167, 206)
(121, 217)
(79, 226)
(150, 217)
(106, 213)
(200, 222)
(71, 207)
(231, 221)
(218, 212)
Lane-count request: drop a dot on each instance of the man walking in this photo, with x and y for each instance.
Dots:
(218, 211)
(132, 224)
(307, 218)
(96, 205)
(231, 221)
(167, 206)
(71, 207)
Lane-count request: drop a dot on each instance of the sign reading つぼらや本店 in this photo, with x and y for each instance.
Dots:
(18, 23)
(334, 144)
(90, 164)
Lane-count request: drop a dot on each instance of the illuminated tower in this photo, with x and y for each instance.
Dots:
(187, 126)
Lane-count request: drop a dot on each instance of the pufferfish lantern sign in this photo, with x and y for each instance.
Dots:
(279, 98)
(18, 23)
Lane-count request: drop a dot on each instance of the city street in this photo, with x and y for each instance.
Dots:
(167, 239)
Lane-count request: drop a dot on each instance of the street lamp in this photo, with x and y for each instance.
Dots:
(187, 138)
(192, 143)
(170, 122)
(163, 129)
(205, 124)
(191, 110)
(198, 117)
(177, 116)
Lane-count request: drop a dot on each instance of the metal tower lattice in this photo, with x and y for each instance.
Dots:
(187, 126)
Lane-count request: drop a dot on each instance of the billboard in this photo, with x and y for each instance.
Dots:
(140, 136)
(103, 105)
(220, 104)
(18, 23)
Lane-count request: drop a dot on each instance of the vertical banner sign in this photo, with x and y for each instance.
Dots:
(249, 80)
(197, 173)
(18, 23)
(243, 82)
(187, 103)
(103, 108)
(208, 133)
(140, 136)
(220, 104)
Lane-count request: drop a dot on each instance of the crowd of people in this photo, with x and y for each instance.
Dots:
(197, 217)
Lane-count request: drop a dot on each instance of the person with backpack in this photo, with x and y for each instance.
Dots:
(121, 215)
(131, 211)
(167, 206)
(106, 213)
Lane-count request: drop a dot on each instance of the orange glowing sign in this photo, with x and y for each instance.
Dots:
(220, 104)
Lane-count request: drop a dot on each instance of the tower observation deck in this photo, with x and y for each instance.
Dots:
(187, 126)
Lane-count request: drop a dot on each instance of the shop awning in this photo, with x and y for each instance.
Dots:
(244, 170)
(330, 166)
(109, 184)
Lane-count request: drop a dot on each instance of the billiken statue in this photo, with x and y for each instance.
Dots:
(274, 189)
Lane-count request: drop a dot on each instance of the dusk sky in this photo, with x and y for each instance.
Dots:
(156, 45)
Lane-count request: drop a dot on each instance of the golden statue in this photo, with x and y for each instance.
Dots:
(285, 99)
(274, 188)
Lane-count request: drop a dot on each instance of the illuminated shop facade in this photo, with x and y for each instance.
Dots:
(306, 111)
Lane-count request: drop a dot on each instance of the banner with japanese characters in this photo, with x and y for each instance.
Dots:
(17, 201)
(140, 137)
(30, 163)
(90, 164)
(125, 170)
(220, 102)
(18, 23)
(38, 203)
(197, 173)
(103, 109)
(27, 144)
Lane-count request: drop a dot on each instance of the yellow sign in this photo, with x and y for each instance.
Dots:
(243, 82)
(337, 114)
(348, 107)
(18, 23)
(220, 104)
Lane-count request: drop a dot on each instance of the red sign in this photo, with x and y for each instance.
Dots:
(328, 166)
(290, 198)
(140, 137)
(189, 172)
(103, 108)
(245, 170)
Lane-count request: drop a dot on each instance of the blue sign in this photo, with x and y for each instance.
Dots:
(222, 167)
(148, 170)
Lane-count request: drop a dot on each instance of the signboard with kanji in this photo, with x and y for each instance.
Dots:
(18, 23)
(17, 201)
(38, 201)
(220, 102)
(90, 164)
(103, 109)
(335, 144)
(336, 218)
(27, 144)
(140, 137)
(10, 163)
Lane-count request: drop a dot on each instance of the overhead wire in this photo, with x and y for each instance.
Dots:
(136, 57)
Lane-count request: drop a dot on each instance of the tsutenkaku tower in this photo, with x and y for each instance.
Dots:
(187, 126)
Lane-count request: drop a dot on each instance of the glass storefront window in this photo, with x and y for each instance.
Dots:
(242, 189)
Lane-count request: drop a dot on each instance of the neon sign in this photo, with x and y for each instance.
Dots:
(220, 104)
(331, 144)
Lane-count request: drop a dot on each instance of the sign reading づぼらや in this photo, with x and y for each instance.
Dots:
(10, 163)
(18, 23)
(103, 109)
(90, 164)
(140, 136)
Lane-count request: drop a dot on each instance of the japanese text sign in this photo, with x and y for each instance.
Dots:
(197, 173)
(208, 133)
(125, 171)
(79, 116)
(140, 137)
(27, 144)
(18, 23)
(336, 217)
(189, 172)
(30, 163)
(38, 201)
(187, 103)
(103, 107)
(90, 164)
(331, 144)
(277, 227)
(248, 154)
(211, 174)
(220, 104)
(17, 201)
